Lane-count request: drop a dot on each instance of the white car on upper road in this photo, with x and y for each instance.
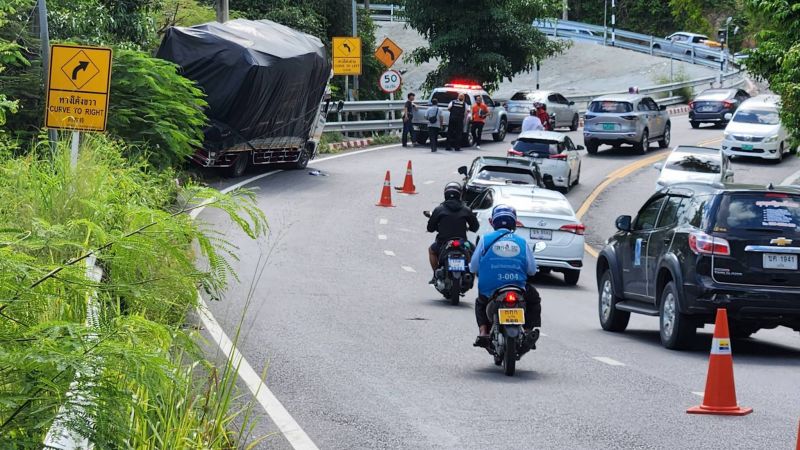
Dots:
(555, 153)
(543, 216)
(689, 164)
(756, 130)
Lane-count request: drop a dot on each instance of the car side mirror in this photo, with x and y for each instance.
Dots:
(571, 103)
(728, 116)
(580, 147)
(624, 223)
(662, 107)
(547, 179)
(426, 214)
(658, 166)
(339, 106)
(463, 170)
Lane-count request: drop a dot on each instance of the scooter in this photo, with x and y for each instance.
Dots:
(452, 278)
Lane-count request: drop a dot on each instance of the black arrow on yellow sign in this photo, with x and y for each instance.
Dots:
(82, 65)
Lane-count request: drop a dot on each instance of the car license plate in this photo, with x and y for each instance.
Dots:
(608, 127)
(515, 316)
(780, 261)
(706, 109)
(457, 264)
(541, 235)
(747, 147)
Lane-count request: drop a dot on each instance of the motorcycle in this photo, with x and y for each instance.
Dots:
(452, 277)
(508, 340)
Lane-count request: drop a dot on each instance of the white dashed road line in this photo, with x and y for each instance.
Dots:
(409, 269)
(699, 394)
(429, 182)
(383, 221)
(382, 237)
(607, 360)
(388, 253)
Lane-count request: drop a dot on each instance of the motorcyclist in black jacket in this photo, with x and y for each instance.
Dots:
(450, 220)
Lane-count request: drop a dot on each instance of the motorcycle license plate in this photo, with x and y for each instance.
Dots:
(457, 264)
(515, 316)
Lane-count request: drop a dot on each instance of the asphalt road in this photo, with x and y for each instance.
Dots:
(365, 354)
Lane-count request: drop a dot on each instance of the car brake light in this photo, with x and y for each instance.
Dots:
(577, 228)
(705, 244)
(727, 105)
(691, 105)
(456, 244)
(632, 117)
(519, 224)
(558, 156)
(512, 152)
(511, 298)
(775, 195)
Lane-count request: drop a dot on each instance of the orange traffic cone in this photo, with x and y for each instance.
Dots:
(408, 184)
(720, 394)
(386, 193)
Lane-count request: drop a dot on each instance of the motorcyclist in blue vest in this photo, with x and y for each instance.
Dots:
(502, 258)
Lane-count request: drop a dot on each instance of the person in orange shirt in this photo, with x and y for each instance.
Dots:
(479, 113)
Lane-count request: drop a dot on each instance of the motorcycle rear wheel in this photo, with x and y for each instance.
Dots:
(510, 356)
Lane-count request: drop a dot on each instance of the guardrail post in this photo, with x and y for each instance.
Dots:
(651, 45)
(391, 13)
(692, 55)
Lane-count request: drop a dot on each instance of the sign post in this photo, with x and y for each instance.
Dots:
(78, 83)
(388, 52)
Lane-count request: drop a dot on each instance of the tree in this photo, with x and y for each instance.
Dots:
(652, 17)
(485, 41)
(776, 59)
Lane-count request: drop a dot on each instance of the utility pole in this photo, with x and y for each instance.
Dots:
(605, 25)
(222, 11)
(565, 10)
(613, 23)
(355, 34)
(44, 36)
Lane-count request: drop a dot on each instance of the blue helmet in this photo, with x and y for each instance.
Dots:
(504, 216)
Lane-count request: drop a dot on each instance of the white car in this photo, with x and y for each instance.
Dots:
(694, 164)
(543, 216)
(756, 130)
(555, 153)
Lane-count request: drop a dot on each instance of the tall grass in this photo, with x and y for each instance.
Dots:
(143, 380)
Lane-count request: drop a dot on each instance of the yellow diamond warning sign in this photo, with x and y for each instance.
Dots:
(346, 55)
(78, 85)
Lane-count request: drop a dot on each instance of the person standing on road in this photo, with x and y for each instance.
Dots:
(435, 122)
(502, 258)
(541, 113)
(455, 126)
(479, 113)
(532, 122)
(408, 116)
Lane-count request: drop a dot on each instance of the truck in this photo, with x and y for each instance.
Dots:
(266, 86)
(496, 120)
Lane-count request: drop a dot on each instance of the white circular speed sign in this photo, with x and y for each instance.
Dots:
(390, 81)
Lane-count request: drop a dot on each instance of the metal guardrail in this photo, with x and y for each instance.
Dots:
(385, 13)
(581, 102)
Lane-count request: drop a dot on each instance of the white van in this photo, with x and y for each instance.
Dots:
(755, 130)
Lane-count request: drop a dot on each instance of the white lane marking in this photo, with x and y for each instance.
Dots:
(542, 334)
(388, 253)
(290, 429)
(382, 237)
(791, 179)
(429, 182)
(607, 360)
(700, 394)
(409, 269)
(383, 221)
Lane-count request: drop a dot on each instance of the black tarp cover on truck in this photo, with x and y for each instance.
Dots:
(264, 81)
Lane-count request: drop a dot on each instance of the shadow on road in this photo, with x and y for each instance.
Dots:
(495, 374)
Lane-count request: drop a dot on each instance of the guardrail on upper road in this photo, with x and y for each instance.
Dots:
(581, 102)
(385, 13)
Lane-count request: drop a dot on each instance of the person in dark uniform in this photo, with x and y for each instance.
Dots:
(408, 116)
(455, 126)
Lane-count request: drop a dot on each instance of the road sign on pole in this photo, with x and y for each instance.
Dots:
(347, 55)
(78, 83)
(388, 52)
(390, 81)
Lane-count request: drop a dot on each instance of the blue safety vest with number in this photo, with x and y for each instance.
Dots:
(503, 263)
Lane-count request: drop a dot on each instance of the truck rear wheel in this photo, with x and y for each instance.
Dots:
(239, 167)
(302, 160)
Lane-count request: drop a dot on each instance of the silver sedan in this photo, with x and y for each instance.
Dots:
(521, 103)
(555, 153)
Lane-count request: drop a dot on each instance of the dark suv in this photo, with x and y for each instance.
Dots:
(694, 248)
(487, 171)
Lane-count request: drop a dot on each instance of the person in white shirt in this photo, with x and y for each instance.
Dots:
(532, 123)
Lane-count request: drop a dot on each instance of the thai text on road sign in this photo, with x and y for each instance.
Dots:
(388, 52)
(347, 56)
(390, 81)
(79, 81)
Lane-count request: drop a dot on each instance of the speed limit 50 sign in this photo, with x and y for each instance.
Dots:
(390, 81)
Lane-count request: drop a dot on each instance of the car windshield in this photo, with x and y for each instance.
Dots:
(713, 96)
(758, 116)
(695, 163)
(538, 146)
(445, 97)
(499, 176)
(756, 211)
(524, 96)
(608, 106)
(531, 204)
